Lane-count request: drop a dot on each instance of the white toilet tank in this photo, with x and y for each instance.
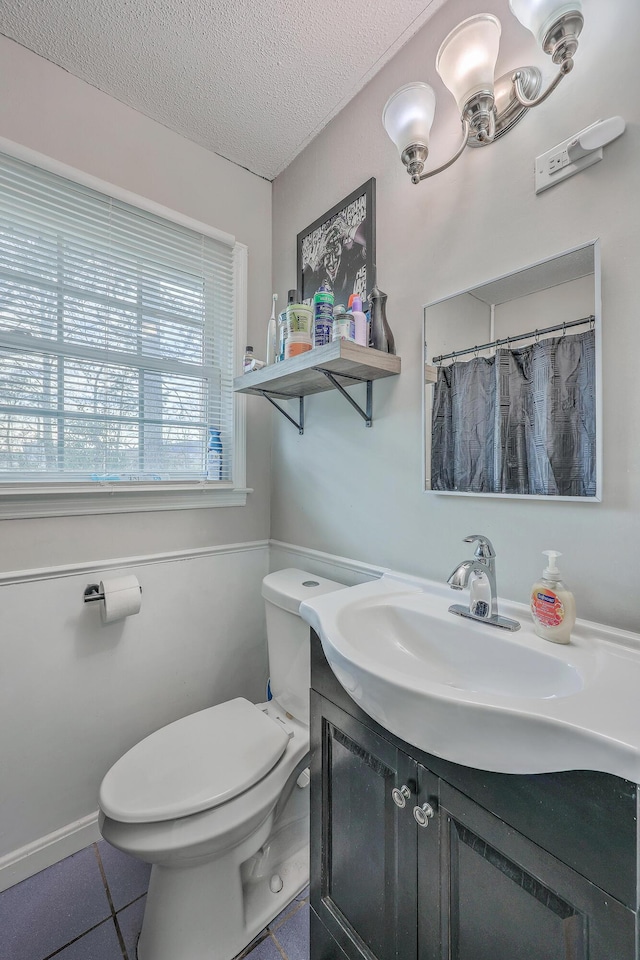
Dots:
(288, 635)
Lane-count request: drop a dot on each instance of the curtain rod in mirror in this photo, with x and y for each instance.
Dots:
(509, 340)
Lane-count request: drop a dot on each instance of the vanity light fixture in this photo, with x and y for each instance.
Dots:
(466, 62)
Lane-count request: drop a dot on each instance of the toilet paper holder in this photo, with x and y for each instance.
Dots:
(93, 592)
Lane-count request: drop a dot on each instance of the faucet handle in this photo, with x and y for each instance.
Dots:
(484, 550)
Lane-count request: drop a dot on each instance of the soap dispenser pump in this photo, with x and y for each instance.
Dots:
(553, 607)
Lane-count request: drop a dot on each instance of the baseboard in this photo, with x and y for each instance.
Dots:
(36, 856)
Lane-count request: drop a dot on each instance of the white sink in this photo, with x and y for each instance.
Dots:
(477, 695)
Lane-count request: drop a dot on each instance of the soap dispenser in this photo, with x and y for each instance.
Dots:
(553, 607)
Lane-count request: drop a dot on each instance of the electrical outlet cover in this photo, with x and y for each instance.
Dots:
(554, 166)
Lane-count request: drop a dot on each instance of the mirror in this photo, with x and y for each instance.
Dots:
(513, 395)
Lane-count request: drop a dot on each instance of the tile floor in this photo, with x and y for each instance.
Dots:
(90, 906)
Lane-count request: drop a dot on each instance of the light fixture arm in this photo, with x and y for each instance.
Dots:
(416, 178)
(521, 97)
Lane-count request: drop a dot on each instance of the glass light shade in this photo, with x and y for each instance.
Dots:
(408, 115)
(467, 57)
(538, 16)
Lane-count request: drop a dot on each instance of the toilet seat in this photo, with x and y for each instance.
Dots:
(193, 764)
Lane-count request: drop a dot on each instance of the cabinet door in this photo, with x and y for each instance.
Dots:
(504, 898)
(363, 848)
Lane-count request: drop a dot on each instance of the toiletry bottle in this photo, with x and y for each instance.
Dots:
(299, 326)
(214, 455)
(271, 332)
(343, 324)
(250, 362)
(381, 335)
(360, 320)
(553, 607)
(281, 335)
(322, 314)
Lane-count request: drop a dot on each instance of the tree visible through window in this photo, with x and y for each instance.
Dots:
(115, 337)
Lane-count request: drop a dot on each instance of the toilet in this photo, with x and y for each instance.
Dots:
(218, 802)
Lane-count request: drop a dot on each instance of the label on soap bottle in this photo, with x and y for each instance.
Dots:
(547, 608)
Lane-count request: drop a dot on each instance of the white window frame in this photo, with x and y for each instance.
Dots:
(72, 499)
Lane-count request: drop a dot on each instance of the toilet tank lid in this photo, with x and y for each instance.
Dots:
(193, 764)
(288, 588)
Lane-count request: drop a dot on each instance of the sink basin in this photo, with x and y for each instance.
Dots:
(476, 695)
(404, 635)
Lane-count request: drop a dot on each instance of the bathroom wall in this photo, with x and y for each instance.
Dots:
(573, 299)
(48, 110)
(74, 694)
(355, 492)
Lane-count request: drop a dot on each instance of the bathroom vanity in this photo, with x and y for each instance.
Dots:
(417, 858)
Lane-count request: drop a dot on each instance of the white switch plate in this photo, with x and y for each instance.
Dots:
(554, 166)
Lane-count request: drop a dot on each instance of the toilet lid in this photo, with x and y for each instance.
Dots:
(193, 764)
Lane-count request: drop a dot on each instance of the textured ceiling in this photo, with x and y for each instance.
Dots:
(252, 80)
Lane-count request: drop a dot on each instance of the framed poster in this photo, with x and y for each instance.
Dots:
(340, 247)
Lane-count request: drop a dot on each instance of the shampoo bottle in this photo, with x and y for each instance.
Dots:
(553, 607)
(359, 320)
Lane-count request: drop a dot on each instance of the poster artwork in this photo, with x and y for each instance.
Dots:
(339, 248)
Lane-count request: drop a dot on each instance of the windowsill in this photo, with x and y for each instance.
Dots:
(65, 500)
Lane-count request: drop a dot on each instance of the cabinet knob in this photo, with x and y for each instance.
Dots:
(400, 795)
(423, 814)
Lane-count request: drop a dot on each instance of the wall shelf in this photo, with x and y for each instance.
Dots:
(334, 366)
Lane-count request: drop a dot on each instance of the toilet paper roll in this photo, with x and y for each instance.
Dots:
(122, 598)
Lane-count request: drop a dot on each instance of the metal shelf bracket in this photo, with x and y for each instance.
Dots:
(367, 415)
(297, 423)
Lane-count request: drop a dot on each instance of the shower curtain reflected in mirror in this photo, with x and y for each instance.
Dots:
(520, 422)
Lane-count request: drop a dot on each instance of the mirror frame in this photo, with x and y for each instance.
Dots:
(428, 382)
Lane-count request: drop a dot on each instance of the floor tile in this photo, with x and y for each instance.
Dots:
(101, 943)
(127, 877)
(48, 911)
(282, 916)
(130, 923)
(266, 950)
(251, 946)
(293, 934)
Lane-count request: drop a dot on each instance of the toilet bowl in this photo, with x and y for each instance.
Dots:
(217, 802)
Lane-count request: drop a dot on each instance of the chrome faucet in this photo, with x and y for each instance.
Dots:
(483, 594)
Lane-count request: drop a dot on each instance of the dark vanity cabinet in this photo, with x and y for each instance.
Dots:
(416, 858)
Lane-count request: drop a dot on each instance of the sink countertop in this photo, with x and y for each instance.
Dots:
(477, 695)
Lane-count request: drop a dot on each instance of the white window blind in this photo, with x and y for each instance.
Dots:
(116, 338)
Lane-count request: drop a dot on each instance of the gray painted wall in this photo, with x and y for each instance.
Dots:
(75, 693)
(357, 492)
(46, 109)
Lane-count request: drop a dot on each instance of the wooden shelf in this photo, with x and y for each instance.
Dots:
(333, 367)
(301, 376)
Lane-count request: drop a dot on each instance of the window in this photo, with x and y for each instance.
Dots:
(116, 341)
